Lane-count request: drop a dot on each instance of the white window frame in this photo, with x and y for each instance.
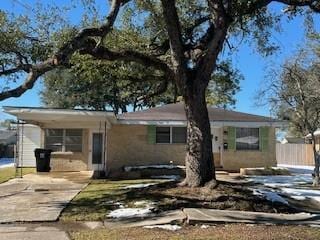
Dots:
(63, 147)
(250, 150)
(171, 134)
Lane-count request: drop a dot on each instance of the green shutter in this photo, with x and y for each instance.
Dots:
(151, 134)
(264, 139)
(231, 138)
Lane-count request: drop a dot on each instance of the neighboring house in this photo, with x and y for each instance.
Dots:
(317, 141)
(94, 140)
(8, 139)
(293, 140)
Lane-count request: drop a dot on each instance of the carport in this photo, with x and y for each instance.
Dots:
(78, 138)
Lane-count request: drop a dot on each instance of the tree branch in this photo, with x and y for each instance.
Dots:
(176, 44)
(215, 38)
(34, 73)
(104, 53)
(63, 55)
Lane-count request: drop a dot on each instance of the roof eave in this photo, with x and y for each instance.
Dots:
(34, 113)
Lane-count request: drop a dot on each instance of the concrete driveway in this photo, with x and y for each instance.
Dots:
(39, 197)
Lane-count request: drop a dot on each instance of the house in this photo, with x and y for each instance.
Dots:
(103, 141)
(317, 139)
(293, 140)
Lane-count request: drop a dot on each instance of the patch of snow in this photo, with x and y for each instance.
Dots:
(299, 198)
(165, 227)
(270, 195)
(130, 213)
(139, 185)
(204, 226)
(172, 177)
(302, 193)
(118, 204)
(157, 166)
(314, 226)
(6, 162)
(7, 165)
(144, 203)
(298, 168)
(282, 181)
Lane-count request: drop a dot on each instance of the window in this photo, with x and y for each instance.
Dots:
(73, 140)
(63, 140)
(179, 135)
(54, 139)
(247, 138)
(163, 135)
(171, 134)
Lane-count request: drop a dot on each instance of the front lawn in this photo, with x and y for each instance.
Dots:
(129, 198)
(218, 232)
(10, 172)
(99, 198)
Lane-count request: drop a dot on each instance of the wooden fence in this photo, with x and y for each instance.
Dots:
(295, 154)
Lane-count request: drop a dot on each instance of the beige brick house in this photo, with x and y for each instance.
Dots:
(103, 141)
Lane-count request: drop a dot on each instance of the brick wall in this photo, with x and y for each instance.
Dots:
(128, 146)
(234, 160)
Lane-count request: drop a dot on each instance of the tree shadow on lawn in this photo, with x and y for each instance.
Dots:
(101, 197)
(226, 196)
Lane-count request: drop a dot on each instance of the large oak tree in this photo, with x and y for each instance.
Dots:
(185, 38)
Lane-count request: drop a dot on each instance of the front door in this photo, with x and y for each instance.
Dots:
(97, 151)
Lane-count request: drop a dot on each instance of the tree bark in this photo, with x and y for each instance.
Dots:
(316, 179)
(200, 169)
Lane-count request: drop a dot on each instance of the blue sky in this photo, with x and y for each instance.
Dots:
(252, 65)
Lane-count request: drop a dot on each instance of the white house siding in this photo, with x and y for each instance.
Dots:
(29, 139)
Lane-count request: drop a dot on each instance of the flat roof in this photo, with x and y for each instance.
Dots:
(55, 114)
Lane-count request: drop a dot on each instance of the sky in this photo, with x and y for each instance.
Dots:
(252, 65)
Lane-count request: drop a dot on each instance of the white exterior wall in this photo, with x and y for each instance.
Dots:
(29, 139)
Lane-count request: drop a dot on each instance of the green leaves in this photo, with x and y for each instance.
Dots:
(223, 86)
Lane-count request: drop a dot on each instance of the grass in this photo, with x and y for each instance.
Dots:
(218, 232)
(99, 198)
(10, 172)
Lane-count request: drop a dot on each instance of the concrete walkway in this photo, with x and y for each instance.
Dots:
(195, 215)
(9, 232)
(200, 216)
(39, 197)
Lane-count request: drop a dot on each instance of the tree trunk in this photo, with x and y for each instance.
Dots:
(316, 179)
(199, 158)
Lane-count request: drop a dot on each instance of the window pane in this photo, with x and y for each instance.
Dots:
(74, 132)
(73, 140)
(163, 135)
(54, 139)
(54, 132)
(54, 148)
(179, 134)
(247, 138)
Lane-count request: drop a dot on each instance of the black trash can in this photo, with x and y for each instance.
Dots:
(43, 159)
